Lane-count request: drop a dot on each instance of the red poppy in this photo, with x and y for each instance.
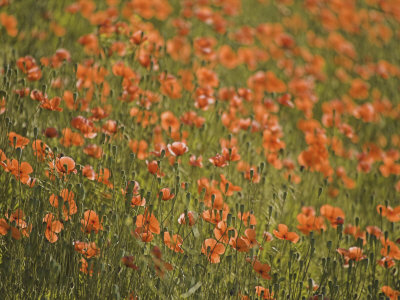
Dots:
(174, 242)
(91, 222)
(212, 249)
(283, 234)
(177, 148)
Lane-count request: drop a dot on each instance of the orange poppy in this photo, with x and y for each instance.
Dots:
(354, 254)
(148, 221)
(262, 269)
(91, 222)
(17, 141)
(335, 215)
(223, 233)
(166, 194)
(212, 249)
(52, 104)
(189, 218)
(71, 138)
(21, 170)
(10, 23)
(196, 161)
(241, 244)
(88, 172)
(283, 234)
(218, 161)
(88, 249)
(53, 227)
(68, 197)
(174, 243)
(177, 148)
(227, 187)
(264, 293)
(93, 150)
(392, 214)
(247, 218)
(391, 293)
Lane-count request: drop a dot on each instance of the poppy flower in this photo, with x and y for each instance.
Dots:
(174, 243)
(177, 148)
(65, 165)
(264, 293)
(53, 227)
(88, 249)
(283, 234)
(91, 222)
(20, 171)
(392, 214)
(41, 150)
(391, 293)
(85, 267)
(159, 264)
(223, 233)
(241, 243)
(139, 148)
(71, 138)
(148, 221)
(16, 224)
(88, 172)
(10, 24)
(247, 218)
(231, 154)
(386, 262)
(93, 150)
(144, 234)
(353, 253)
(308, 223)
(218, 161)
(166, 194)
(390, 249)
(231, 188)
(190, 218)
(152, 166)
(335, 215)
(68, 197)
(212, 249)
(262, 269)
(53, 104)
(128, 261)
(17, 141)
(85, 126)
(196, 161)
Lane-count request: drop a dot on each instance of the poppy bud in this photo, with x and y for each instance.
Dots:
(19, 153)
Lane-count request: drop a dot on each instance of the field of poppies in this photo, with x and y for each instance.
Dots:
(200, 149)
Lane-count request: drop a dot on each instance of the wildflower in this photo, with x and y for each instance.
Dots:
(283, 234)
(148, 221)
(212, 249)
(218, 161)
(335, 215)
(166, 194)
(190, 218)
(53, 227)
(91, 222)
(354, 254)
(128, 261)
(178, 148)
(392, 214)
(174, 242)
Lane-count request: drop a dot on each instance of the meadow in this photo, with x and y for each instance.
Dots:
(200, 149)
